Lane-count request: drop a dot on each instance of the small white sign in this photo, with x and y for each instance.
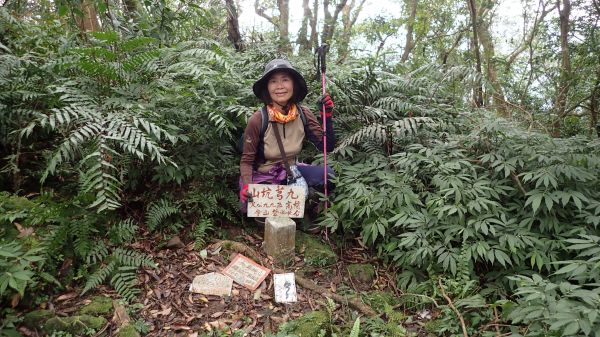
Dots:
(285, 288)
(276, 201)
(212, 284)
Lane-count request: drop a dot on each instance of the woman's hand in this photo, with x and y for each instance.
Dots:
(327, 102)
(244, 194)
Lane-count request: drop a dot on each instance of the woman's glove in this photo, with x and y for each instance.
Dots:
(327, 102)
(244, 194)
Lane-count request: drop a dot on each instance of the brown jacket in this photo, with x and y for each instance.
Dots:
(292, 136)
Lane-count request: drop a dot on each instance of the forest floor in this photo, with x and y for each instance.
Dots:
(171, 309)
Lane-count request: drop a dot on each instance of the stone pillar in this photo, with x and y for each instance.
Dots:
(280, 238)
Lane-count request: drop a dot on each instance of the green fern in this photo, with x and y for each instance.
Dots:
(122, 264)
(132, 258)
(97, 253)
(355, 328)
(99, 276)
(161, 215)
(122, 232)
(100, 122)
(201, 231)
(125, 282)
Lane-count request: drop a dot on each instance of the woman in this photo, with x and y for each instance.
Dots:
(281, 88)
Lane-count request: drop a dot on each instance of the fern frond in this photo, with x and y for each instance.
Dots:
(122, 232)
(406, 127)
(159, 212)
(99, 276)
(355, 328)
(140, 60)
(97, 253)
(134, 141)
(125, 281)
(132, 258)
(137, 42)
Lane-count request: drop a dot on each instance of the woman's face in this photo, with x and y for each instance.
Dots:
(281, 87)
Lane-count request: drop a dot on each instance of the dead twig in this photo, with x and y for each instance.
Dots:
(518, 182)
(497, 320)
(451, 305)
(305, 283)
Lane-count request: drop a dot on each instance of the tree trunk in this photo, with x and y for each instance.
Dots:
(410, 25)
(489, 56)
(280, 22)
(88, 22)
(284, 37)
(478, 90)
(594, 105)
(330, 20)
(348, 21)
(132, 9)
(233, 26)
(595, 95)
(565, 65)
(446, 53)
(302, 40)
(314, 34)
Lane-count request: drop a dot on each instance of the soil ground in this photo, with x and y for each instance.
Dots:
(171, 309)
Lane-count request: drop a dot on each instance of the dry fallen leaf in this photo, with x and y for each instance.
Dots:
(15, 300)
(164, 312)
(23, 232)
(217, 314)
(66, 296)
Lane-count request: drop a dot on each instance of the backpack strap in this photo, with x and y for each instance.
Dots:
(302, 115)
(265, 122)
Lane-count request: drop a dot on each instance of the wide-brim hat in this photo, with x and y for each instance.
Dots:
(260, 85)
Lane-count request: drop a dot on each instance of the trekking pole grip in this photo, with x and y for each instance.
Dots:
(322, 50)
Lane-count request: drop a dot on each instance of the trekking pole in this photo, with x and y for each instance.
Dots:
(321, 51)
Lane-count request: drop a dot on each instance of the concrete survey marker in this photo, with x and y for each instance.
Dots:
(212, 284)
(276, 201)
(280, 238)
(246, 272)
(285, 288)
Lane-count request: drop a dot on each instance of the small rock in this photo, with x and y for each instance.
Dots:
(175, 243)
(362, 272)
(212, 284)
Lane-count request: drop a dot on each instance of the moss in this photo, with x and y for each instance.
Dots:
(128, 330)
(316, 253)
(75, 325)
(35, 319)
(308, 325)
(363, 273)
(100, 305)
(378, 300)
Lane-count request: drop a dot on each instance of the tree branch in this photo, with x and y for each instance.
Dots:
(261, 11)
(528, 39)
(451, 305)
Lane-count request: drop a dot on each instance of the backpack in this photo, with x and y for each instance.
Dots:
(263, 128)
